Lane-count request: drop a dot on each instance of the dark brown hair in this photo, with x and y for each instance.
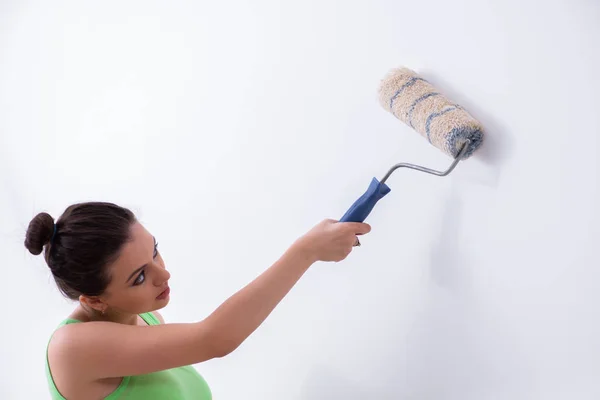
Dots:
(84, 241)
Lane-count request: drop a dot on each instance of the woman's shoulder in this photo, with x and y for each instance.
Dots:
(74, 333)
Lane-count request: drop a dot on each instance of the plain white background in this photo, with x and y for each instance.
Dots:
(231, 128)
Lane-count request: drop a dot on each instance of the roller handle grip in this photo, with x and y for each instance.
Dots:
(363, 206)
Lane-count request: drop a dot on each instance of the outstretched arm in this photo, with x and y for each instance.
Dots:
(97, 350)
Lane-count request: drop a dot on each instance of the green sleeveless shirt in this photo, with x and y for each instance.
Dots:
(182, 383)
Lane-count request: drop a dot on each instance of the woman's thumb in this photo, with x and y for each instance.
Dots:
(358, 228)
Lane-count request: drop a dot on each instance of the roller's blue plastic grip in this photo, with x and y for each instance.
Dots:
(362, 207)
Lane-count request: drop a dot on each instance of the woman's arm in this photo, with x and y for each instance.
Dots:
(96, 350)
(236, 319)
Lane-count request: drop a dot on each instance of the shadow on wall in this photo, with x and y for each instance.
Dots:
(457, 348)
(497, 144)
(442, 354)
(449, 267)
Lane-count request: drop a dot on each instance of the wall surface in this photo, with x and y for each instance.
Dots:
(231, 128)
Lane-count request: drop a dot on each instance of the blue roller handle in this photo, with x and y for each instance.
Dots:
(362, 207)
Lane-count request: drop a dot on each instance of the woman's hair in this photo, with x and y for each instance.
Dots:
(78, 248)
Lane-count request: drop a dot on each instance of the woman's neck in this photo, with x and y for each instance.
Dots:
(84, 314)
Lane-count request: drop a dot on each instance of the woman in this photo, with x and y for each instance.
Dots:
(115, 344)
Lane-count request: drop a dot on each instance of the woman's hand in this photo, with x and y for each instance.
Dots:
(331, 240)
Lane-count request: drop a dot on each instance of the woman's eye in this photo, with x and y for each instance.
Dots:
(155, 250)
(140, 278)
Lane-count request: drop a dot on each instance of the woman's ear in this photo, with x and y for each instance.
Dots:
(94, 303)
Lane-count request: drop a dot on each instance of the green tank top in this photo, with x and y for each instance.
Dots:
(182, 383)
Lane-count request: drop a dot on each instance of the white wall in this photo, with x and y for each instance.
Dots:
(233, 127)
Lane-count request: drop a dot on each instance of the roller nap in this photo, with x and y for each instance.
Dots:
(417, 103)
(446, 125)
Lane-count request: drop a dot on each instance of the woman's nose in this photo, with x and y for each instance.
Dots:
(161, 275)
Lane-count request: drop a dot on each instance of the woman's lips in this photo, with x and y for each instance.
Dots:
(164, 294)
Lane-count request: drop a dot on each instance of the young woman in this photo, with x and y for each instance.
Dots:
(115, 345)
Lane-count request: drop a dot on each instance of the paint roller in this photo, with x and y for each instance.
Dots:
(443, 123)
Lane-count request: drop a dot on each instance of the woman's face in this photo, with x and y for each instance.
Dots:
(138, 278)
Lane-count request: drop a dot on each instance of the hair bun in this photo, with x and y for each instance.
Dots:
(39, 233)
